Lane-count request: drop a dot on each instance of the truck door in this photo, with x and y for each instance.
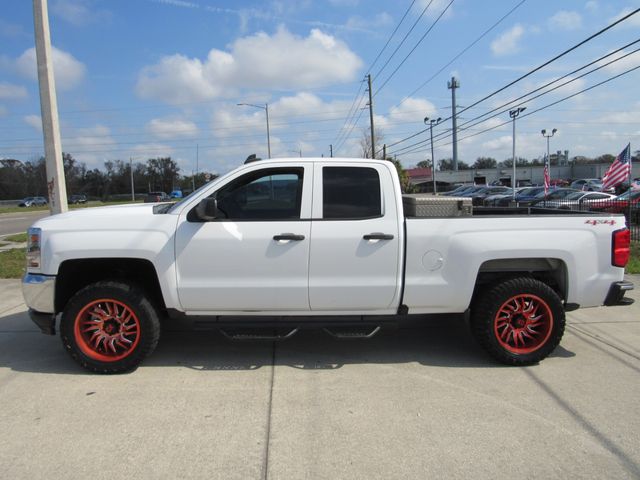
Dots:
(255, 256)
(355, 248)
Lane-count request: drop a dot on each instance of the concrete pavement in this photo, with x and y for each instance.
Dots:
(419, 403)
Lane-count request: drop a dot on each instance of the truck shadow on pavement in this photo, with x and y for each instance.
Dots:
(437, 344)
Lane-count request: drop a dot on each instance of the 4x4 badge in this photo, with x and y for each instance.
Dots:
(601, 222)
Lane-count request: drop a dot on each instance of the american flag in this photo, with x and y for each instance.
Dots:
(619, 170)
(547, 179)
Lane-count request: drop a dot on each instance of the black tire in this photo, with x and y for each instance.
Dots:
(109, 327)
(519, 321)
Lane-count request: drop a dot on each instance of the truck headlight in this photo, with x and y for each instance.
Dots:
(34, 236)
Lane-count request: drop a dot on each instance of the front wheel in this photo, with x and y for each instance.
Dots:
(109, 327)
(519, 321)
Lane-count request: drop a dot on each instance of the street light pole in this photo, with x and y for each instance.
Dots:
(548, 136)
(513, 114)
(266, 111)
(431, 123)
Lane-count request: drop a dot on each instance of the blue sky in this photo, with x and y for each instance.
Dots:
(146, 78)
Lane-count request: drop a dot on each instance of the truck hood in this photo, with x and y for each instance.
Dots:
(114, 217)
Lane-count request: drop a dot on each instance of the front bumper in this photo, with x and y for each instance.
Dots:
(616, 294)
(39, 292)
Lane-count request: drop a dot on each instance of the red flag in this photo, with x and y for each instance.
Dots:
(619, 170)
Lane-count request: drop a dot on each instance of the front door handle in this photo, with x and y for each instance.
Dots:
(378, 236)
(288, 236)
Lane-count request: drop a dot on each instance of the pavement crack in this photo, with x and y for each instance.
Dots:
(267, 442)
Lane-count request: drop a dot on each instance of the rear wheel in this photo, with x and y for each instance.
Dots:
(109, 327)
(519, 321)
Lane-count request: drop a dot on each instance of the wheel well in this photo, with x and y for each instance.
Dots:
(73, 275)
(550, 271)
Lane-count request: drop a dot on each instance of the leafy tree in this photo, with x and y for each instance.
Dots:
(447, 164)
(424, 164)
(485, 162)
(405, 184)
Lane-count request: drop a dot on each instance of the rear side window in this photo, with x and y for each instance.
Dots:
(350, 193)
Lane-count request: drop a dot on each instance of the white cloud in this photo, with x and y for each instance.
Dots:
(165, 128)
(565, 20)
(33, 121)
(282, 60)
(507, 43)
(79, 12)
(9, 91)
(69, 72)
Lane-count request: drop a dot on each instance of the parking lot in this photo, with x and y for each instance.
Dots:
(418, 403)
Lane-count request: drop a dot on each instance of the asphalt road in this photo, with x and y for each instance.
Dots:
(19, 222)
(413, 404)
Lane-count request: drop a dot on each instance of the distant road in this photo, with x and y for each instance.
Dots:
(19, 222)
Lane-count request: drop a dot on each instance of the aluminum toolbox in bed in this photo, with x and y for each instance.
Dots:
(427, 205)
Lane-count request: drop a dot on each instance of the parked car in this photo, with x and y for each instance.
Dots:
(75, 199)
(458, 190)
(575, 201)
(478, 196)
(153, 197)
(621, 203)
(33, 202)
(589, 185)
(524, 197)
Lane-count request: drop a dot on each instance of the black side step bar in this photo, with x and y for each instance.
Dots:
(248, 334)
(347, 332)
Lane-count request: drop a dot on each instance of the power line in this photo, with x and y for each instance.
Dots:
(568, 97)
(414, 47)
(391, 36)
(403, 40)
(463, 51)
(531, 72)
(508, 105)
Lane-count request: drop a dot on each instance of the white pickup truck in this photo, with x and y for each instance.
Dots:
(314, 242)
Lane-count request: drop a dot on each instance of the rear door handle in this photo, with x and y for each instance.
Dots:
(378, 236)
(288, 236)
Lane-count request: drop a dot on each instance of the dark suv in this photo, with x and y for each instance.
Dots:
(77, 199)
(153, 197)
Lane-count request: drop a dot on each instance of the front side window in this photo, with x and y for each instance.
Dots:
(273, 194)
(350, 193)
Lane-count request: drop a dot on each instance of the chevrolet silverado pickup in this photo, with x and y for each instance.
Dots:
(315, 242)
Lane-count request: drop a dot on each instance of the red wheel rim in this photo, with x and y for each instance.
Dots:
(523, 324)
(107, 330)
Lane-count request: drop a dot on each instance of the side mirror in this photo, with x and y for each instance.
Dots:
(207, 209)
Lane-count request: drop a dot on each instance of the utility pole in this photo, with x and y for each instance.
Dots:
(331, 150)
(431, 123)
(452, 85)
(133, 195)
(384, 151)
(514, 114)
(56, 187)
(373, 138)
